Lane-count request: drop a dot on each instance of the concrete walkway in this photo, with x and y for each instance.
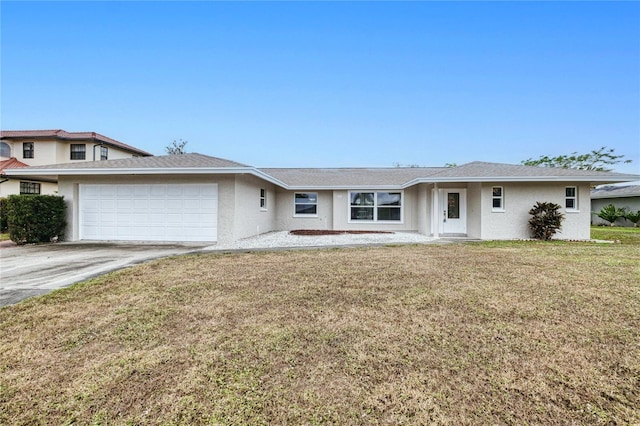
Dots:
(31, 270)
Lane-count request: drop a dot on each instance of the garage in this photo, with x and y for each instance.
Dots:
(148, 212)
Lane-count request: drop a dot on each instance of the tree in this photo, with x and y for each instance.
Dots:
(597, 160)
(610, 213)
(546, 220)
(176, 147)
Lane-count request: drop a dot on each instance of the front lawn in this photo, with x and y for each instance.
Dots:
(622, 234)
(520, 333)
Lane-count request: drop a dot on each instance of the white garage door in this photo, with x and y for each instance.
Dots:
(187, 212)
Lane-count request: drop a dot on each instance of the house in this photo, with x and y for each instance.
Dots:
(621, 196)
(21, 148)
(194, 197)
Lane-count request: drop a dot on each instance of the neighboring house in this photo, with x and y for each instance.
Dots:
(194, 197)
(627, 196)
(20, 148)
(10, 186)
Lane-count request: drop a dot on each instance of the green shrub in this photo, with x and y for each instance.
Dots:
(546, 220)
(632, 217)
(3, 215)
(36, 218)
(610, 213)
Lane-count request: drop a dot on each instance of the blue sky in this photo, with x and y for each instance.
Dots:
(314, 84)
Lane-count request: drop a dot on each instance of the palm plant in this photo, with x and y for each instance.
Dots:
(610, 213)
(633, 217)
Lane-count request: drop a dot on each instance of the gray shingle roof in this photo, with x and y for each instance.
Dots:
(328, 178)
(610, 191)
(349, 177)
(180, 161)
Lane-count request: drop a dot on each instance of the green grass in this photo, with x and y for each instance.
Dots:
(624, 235)
(465, 334)
(4, 237)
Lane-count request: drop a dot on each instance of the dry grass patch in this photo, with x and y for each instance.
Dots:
(458, 334)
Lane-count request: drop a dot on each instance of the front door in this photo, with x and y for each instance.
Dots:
(452, 211)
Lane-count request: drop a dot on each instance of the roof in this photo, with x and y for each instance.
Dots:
(327, 178)
(72, 136)
(610, 191)
(179, 161)
(11, 163)
(350, 177)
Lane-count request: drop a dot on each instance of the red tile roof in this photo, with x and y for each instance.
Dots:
(11, 163)
(63, 134)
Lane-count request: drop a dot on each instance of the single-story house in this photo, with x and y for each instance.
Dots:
(621, 196)
(194, 197)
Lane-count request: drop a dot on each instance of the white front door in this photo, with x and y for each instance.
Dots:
(452, 211)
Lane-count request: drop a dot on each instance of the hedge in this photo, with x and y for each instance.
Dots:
(3, 215)
(36, 218)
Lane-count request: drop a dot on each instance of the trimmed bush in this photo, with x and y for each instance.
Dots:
(546, 221)
(3, 215)
(36, 218)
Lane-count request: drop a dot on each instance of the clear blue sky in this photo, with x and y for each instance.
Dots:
(296, 84)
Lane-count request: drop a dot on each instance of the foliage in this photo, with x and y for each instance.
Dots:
(176, 147)
(610, 213)
(546, 220)
(597, 160)
(3, 215)
(632, 217)
(36, 218)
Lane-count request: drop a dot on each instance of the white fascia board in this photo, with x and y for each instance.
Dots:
(345, 188)
(590, 179)
(27, 171)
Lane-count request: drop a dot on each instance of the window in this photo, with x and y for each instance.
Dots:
(497, 199)
(263, 199)
(376, 206)
(29, 188)
(27, 150)
(104, 153)
(571, 198)
(306, 203)
(78, 151)
(5, 150)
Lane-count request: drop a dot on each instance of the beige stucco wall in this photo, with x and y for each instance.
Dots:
(12, 187)
(68, 187)
(474, 210)
(46, 152)
(410, 223)
(250, 219)
(519, 198)
(287, 221)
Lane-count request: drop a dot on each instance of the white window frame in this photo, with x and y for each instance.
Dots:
(104, 153)
(573, 197)
(494, 197)
(295, 204)
(263, 199)
(375, 206)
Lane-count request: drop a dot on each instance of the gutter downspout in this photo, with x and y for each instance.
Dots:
(436, 211)
(94, 146)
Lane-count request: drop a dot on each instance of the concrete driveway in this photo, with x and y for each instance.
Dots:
(28, 271)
